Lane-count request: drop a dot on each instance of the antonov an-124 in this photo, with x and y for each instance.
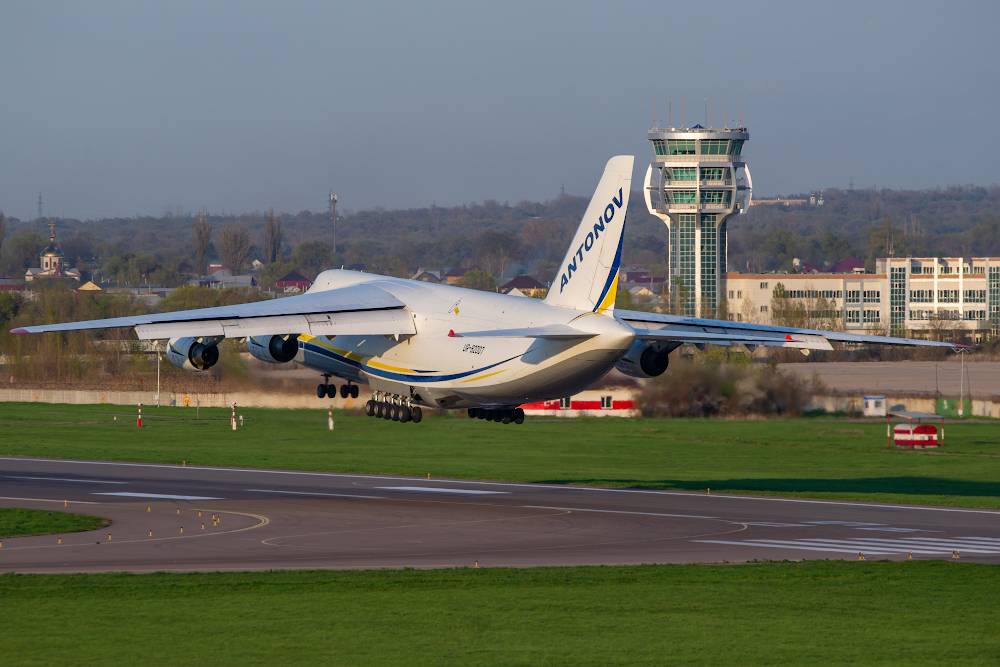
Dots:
(417, 344)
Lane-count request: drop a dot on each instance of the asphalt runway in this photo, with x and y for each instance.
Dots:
(182, 518)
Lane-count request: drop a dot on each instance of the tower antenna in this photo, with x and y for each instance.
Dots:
(711, 106)
(333, 216)
(39, 204)
(741, 111)
(725, 110)
(670, 108)
(682, 112)
(654, 112)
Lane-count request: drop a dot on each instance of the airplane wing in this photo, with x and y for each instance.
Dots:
(660, 327)
(356, 309)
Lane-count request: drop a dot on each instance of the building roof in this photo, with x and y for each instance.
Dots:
(294, 277)
(458, 271)
(847, 265)
(522, 283)
(89, 286)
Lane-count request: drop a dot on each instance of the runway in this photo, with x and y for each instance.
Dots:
(187, 518)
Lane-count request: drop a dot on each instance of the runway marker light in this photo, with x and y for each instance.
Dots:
(149, 509)
(861, 555)
(709, 492)
(178, 510)
(182, 529)
(150, 533)
(60, 540)
(911, 555)
(65, 504)
(109, 537)
(184, 463)
(428, 475)
(477, 563)
(203, 526)
(954, 554)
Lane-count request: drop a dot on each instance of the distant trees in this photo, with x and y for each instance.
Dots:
(272, 238)
(22, 253)
(311, 257)
(496, 250)
(3, 233)
(479, 280)
(202, 239)
(234, 248)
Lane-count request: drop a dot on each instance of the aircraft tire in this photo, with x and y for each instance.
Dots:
(379, 408)
(344, 390)
(497, 416)
(416, 414)
(387, 411)
(404, 414)
(370, 408)
(481, 413)
(355, 391)
(472, 413)
(507, 417)
(518, 416)
(321, 391)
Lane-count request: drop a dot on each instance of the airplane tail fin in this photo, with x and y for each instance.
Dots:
(588, 277)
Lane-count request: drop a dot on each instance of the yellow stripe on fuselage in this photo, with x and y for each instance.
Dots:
(480, 377)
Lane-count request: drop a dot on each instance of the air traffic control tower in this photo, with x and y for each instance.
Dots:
(696, 181)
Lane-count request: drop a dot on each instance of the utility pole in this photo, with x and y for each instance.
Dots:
(39, 204)
(333, 216)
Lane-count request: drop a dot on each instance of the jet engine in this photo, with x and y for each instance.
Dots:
(646, 360)
(273, 349)
(193, 354)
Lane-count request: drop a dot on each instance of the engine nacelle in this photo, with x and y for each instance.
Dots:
(274, 349)
(645, 360)
(191, 354)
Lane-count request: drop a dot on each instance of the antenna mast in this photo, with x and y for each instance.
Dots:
(333, 216)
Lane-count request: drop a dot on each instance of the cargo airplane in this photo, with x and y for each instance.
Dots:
(417, 344)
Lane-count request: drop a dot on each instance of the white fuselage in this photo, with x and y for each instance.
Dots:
(439, 367)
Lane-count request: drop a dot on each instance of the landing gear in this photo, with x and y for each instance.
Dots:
(502, 415)
(388, 406)
(324, 390)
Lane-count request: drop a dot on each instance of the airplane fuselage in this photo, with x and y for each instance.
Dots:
(438, 366)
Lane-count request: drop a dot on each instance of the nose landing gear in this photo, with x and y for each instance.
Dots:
(326, 389)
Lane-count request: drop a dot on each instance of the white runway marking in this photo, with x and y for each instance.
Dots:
(314, 493)
(877, 546)
(47, 500)
(61, 479)
(436, 489)
(164, 496)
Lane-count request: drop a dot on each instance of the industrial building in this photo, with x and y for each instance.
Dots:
(948, 298)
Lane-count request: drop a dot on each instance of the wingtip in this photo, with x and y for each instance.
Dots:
(19, 331)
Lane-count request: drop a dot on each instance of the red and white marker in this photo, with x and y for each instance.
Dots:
(233, 419)
(139, 424)
(329, 418)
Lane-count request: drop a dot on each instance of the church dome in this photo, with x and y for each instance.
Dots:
(52, 251)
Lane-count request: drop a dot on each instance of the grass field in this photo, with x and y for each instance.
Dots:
(819, 612)
(17, 522)
(795, 457)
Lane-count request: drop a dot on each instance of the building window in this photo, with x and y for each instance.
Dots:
(715, 174)
(948, 296)
(928, 270)
(565, 403)
(682, 173)
(606, 402)
(680, 146)
(853, 316)
(714, 146)
(739, 317)
(763, 285)
(658, 147)
(975, 295)
(687, 224)
(730, 294)
(739, 294)
(945, 269)
(872, 316)
(716, 196)
(736, 147)
(979, 269)
(873, 296)
(922, 295)
(681, 196)
(853, 296)
(763, 309)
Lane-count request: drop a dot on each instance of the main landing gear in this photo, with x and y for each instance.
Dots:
(391, 406)
(502, 415)
(327, 389)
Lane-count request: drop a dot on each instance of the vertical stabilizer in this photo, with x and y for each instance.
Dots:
(588, 277)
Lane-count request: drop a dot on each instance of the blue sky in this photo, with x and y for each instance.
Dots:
(124, 108)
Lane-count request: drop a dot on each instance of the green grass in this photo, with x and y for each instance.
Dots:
(818, 612)
(793, 457)
(17, 522)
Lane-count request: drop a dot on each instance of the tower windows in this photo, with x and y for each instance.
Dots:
(680, 146)
(681, 196)
(714, 146)
(736, 147)
(716, 196)
(681, 173)
(659, 147)
(715, 174)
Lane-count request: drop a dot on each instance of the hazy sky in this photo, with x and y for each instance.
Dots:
(144, 107)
